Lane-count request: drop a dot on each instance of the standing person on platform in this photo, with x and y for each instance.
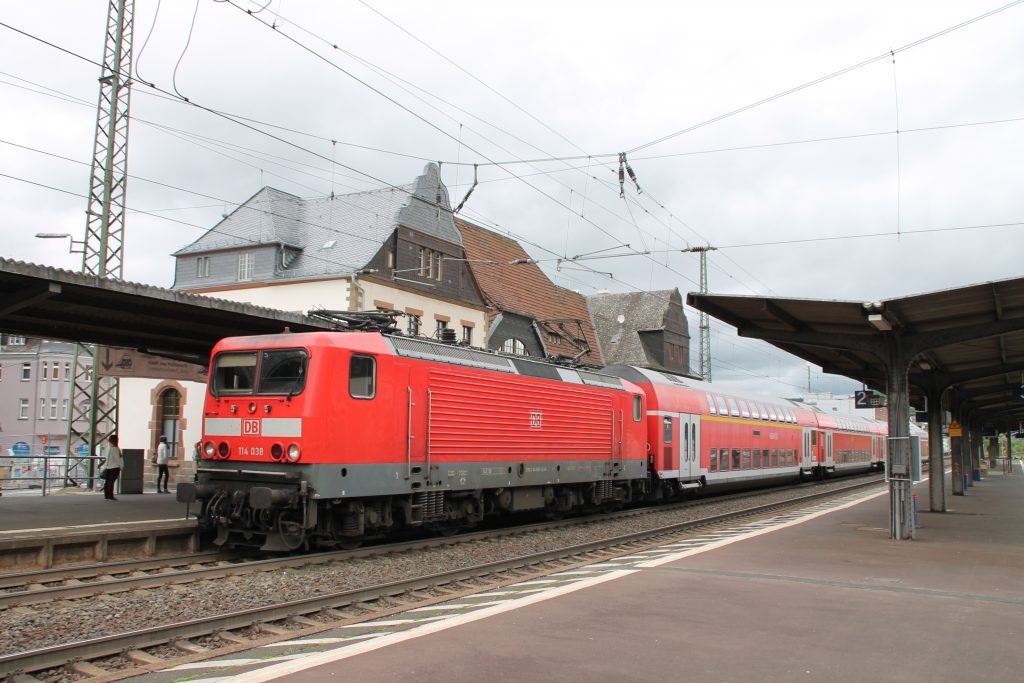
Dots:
(111, 467)
(161, 461)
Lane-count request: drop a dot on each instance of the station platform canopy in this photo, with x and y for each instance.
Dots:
(49, 303)
(970, 339)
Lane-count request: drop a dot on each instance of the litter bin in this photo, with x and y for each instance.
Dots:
(132, 472)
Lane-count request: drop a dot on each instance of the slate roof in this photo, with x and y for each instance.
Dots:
(526, 290)
(333, 235)
(641, 312)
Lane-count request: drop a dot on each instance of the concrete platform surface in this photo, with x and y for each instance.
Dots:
(78, 507)
(825, 596)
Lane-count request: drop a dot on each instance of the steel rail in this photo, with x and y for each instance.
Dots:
(59, 655)
(178, 573)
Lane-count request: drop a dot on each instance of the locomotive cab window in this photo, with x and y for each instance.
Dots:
(362, 377)
(283, 371)
(234, 374)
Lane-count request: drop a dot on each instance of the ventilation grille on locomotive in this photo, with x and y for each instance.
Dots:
(459, 355)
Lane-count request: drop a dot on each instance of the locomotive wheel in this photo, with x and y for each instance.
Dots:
(291, 532)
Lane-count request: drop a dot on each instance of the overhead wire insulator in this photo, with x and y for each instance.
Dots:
(632, 176)
(622, 177)
(471, 188)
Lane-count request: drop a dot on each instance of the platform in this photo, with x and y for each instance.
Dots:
(76, 525)
(819, 596)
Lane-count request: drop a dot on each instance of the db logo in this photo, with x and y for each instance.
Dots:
(250, 427)
(536, 420)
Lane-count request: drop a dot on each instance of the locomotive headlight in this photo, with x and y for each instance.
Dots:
(276, 451)
(252, 407)
(293, 452)
(223, 450)
(208, 449)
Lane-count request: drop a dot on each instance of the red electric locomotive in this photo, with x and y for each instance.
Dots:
(326, 438)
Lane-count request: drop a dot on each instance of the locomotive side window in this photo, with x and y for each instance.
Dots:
(283, 371)
(234, 374)
(362, 377)
(668, 429)
(637, 408)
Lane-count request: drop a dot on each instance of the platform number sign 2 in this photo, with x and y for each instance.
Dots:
(250, 427)
(536, 419)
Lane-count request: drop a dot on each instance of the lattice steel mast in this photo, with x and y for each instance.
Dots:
(103, 254)
(705, 321)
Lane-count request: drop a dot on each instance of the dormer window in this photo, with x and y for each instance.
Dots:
(203, 266)
(245, 266)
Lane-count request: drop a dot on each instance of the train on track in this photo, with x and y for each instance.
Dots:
(325, 439)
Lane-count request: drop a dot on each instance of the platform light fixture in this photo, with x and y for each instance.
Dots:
(76, 246)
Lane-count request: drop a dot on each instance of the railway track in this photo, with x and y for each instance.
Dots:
(119, 655)
(107, 578)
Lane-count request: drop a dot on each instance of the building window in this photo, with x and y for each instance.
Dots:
(391, 258)
(514, 346)
(46, 369)
(26, 372)
(64, 409)
(431, 264)
(413, 325)
(53, 409)
(441, 327)
(1, 373)
(467, 334)
(13, 340)
(42, 409)
(203, 266)
(245, 266)
(22, 408)
(67, 372)
(55, 371)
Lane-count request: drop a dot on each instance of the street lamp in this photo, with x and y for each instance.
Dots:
(76, 246)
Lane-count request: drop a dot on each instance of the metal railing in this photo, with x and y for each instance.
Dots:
(46, 473)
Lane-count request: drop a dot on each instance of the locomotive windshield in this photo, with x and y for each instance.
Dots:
(264, 373)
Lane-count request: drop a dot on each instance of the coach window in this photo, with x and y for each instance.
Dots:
(735, 458)
(775, 457)
(638, 411)
(743, 409)
(668, 429)
(362, 377)
(713, 460)
(734, 410)
(722, 408)
(746, 458)
(711, 404)
(757, 458)
(771, 412)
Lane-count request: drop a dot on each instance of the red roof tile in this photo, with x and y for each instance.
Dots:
(527, 290)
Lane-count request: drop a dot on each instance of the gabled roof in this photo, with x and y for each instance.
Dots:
(641, 312)
(525, 289)
(333, 235)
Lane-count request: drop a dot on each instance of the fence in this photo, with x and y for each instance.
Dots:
(47, 473)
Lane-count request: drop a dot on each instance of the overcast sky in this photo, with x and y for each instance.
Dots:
(397, 84)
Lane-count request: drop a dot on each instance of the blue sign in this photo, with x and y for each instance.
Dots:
(52, 450)
(21, 448)
(82, 450)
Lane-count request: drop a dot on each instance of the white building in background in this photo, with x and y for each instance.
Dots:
(396, 248)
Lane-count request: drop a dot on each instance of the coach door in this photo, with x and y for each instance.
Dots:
(807, 457)
(689, 447)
